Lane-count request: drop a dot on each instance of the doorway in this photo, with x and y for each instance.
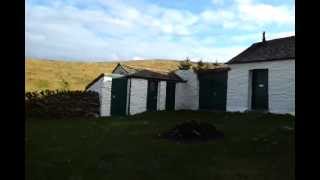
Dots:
(119, 96)
(259, 89)
(152, 95)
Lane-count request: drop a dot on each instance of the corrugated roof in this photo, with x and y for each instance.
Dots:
(277, 49)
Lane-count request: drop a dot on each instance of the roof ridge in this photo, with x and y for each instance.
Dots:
(274, 49)
(147, 68)
(288, 37)
(130, 66)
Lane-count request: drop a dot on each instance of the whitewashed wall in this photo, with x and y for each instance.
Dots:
(161, 100)
(138, 97)
(187, 94)
(281, 82)
(103, 87)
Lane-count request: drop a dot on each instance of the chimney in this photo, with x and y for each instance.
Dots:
(263, 37)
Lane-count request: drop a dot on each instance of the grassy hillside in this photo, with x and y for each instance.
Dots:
(49, 74)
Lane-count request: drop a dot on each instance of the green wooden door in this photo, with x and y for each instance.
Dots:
(213, 91)
(170, 96)
(152, 95)
(205, 97)
(259, 89)
(119, 96)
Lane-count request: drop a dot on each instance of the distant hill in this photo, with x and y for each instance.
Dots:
(50, 74)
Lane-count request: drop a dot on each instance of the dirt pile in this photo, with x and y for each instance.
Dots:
(192, 131)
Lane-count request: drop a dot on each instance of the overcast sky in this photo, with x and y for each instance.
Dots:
(102, 30)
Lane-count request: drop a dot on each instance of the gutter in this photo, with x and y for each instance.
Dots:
(264, 60)
(159, 79)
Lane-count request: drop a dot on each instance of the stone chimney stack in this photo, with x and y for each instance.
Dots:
(263, 37)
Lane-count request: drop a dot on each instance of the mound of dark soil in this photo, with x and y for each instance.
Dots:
(192, 131)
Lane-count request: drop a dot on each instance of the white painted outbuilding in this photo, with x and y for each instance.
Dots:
(263, 77)
(137, 84)
(260, 78)
(281, 86)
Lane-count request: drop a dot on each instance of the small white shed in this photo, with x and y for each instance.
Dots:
(130, 90)
(262, 77)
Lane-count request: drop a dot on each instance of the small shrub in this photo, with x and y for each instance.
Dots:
(64, 84)
(185, 65)
(215, 63)
(201, 66)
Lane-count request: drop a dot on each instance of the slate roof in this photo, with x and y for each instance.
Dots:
(149, 74)
(276, 49)
(145, 73)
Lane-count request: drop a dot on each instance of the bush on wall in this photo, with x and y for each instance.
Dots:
(62, 103)
(185, 65)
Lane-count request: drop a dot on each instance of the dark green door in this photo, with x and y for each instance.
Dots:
(119, 96)
(260, 89)
(152, 95)
(170, 96)
(204, 94)
(213, 91)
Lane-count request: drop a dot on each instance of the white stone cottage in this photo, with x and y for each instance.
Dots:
(260, 78)
(263, 77)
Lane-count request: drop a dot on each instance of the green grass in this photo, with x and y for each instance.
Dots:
(254, 148)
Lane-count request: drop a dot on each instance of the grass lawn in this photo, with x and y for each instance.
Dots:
(255, 147)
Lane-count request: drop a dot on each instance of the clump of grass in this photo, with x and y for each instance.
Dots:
(64, 84)
(42, 84)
